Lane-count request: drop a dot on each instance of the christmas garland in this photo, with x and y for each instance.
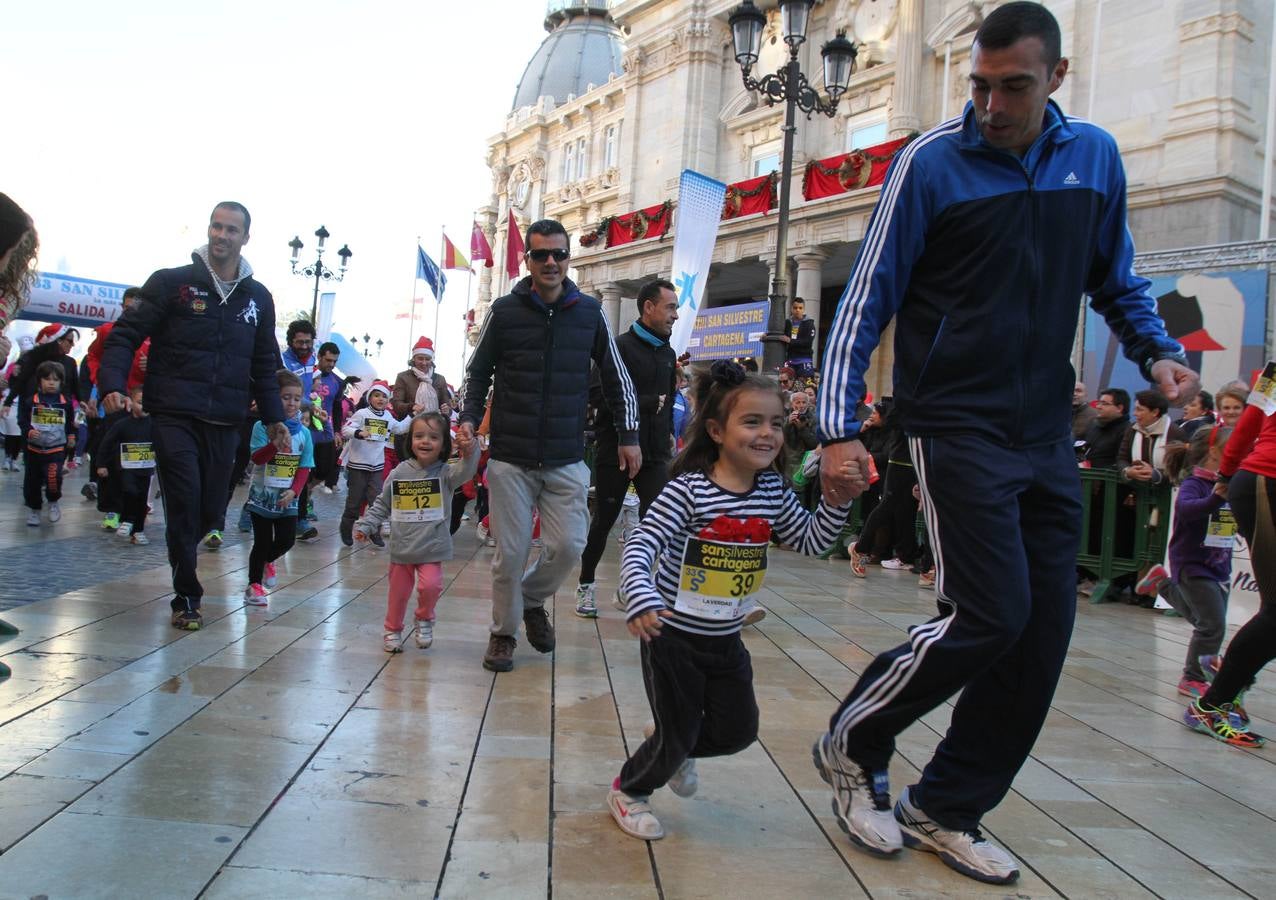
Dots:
(734, 202)
(854, 170)
(632, 226)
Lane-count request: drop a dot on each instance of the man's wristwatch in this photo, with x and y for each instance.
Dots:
(1174, 356)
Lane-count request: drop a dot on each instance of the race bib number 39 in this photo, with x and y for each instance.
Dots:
(281, 470)
(417, 501)
(137, 456)
(376, 429)
(718, 579)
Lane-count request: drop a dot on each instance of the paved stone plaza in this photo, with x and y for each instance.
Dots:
(281, 753)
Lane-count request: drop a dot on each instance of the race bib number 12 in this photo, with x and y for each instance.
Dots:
(416, 501)
(718, 580)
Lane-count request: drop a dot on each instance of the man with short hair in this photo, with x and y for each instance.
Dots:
(298, 358)
(652, 367)
(800, 337)
(988, 228)
(322, 389)
(537, 342)
(212, 331)
(1082, 412)
(1103, 438)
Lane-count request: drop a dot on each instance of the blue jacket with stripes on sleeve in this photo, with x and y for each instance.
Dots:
(982, 258)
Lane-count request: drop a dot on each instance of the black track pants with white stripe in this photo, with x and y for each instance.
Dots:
(1005, 526)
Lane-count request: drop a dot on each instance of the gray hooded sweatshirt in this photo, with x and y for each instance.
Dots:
(417, 501)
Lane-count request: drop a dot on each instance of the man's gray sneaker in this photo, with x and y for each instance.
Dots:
(861, 800)
(968, 852)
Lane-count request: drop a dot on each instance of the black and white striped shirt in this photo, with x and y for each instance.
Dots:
(652, 561)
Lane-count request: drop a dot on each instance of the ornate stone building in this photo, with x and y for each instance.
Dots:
(622, 96)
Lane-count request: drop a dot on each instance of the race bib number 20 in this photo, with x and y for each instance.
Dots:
(137, 456)
(718, 579)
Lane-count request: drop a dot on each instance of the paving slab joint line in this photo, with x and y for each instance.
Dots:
(620, 723)
(465, 788)
(305, 763)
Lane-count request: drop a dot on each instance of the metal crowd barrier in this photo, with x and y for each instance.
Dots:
(1102, 494)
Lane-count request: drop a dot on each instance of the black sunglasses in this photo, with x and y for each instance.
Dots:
(541, 255)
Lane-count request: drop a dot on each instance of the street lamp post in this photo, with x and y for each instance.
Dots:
(788, 86)
(317, 270)
(367, 344)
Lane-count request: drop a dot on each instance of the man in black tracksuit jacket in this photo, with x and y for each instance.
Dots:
(537, 343)
(212, 331)
(652, 364)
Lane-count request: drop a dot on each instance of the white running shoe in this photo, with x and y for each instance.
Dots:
(895, 564)
(140, 539)
(125, 530)
(633, 815)
(620, 602)
(424, 633)
(861, 800)
(269, 577)
(255, 595)
(967, 852)
(392, 642)
(685, 781)
(55, 513)
(33, 518)
(586, 606)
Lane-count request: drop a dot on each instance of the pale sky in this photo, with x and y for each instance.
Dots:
(127, 121)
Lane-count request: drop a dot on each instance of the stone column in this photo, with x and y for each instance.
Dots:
(810, 270)
(611, 305)
(907, 94)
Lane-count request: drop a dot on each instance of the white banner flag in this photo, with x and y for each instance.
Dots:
(695, 232)
(323, 328)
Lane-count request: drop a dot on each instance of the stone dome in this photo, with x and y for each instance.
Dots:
(583, 47)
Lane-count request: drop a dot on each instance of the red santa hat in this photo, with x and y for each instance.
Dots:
(423, 346)
(50, 333)
(381, 386)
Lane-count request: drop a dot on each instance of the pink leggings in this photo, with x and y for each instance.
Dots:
(428, 580)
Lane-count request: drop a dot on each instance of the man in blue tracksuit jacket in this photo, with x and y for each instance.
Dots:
(989, 229)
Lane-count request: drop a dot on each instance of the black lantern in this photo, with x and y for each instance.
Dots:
(747, 23)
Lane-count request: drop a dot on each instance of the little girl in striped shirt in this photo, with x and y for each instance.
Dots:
(692, 572)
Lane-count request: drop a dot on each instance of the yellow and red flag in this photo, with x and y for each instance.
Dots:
(452, 257)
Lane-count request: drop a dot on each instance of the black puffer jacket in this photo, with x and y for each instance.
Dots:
(207, 356)
(539, 356)
(653, 371)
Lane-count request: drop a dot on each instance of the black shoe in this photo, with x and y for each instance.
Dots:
(500, 653)
(540, 633)
(89, 491)
(375, 537)
(347, 533)
(187, 619)
(309, 533)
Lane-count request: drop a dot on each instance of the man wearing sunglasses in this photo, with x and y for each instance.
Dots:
(535, 349)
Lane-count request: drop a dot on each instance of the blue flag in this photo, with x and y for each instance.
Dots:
(430, 273)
